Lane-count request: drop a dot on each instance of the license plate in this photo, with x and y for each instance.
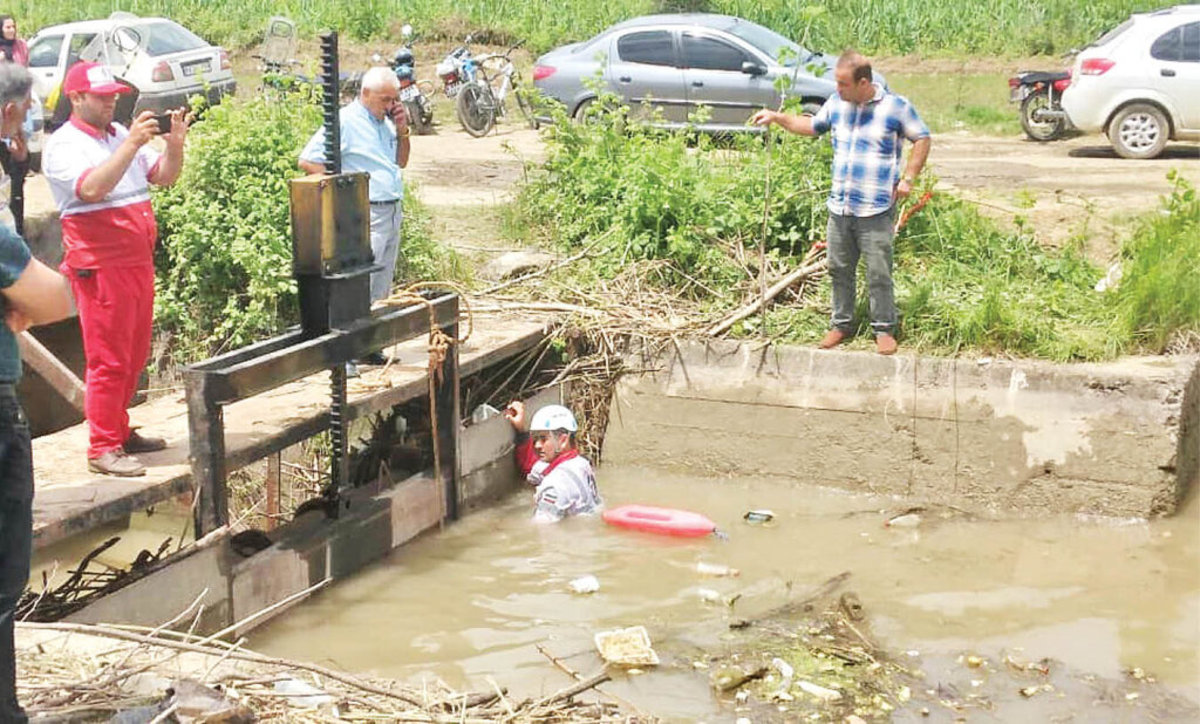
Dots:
(195, 67)
(1018, 94)
(409, 93)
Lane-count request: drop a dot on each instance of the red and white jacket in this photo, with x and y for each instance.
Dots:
(118, 230)
(566, 486)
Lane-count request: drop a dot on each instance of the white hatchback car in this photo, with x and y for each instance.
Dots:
(164, 61)
(1140, 82)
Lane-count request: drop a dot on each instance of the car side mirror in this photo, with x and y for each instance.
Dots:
(753, 68)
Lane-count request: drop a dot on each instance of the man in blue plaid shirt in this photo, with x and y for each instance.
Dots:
(867, 126)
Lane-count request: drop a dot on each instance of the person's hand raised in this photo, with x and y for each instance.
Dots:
(143, 128)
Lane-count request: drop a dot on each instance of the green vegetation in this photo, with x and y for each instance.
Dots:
(1158, 300)
(630, 193)
(1019, 27)
(954, 101)
(225, 258)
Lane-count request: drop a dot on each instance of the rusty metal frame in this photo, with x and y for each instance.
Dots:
(294, 355)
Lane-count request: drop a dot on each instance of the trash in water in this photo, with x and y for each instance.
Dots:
(819, 691)
(627, 646)
(708, 595)
(584, 584)
(907, 520)
(759, 516)
(716, 570)
(784, 668)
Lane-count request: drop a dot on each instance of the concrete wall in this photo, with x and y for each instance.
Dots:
(994, 436)
(313, 548)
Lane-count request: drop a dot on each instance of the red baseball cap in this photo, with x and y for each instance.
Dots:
(84, 77)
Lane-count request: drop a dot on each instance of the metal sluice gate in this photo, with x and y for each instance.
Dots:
(332, 262)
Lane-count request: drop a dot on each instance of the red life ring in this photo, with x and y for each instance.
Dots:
(664, 521)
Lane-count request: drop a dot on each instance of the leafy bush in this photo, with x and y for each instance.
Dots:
(225, 262)
(650, 194)
(1158, 297)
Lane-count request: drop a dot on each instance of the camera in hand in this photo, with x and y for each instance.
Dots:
(164, 123)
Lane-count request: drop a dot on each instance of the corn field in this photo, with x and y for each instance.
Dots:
(931, 27)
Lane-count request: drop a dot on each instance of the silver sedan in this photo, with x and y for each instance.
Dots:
(675, 64)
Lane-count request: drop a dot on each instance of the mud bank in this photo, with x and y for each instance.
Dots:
(998, 437)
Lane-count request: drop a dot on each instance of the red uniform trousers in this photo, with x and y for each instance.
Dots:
(116, 312)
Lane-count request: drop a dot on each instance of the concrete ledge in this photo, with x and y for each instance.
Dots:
(1028, 437)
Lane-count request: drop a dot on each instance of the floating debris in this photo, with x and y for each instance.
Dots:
(818, 691)
(627, 647)
(759, 516)
(716, 570)
(584, 584)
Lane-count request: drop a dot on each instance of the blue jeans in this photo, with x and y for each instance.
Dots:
(16, 534)
(850, 237)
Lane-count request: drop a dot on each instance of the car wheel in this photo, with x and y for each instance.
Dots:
(1139, 131)
(585, 113)
(810, 109)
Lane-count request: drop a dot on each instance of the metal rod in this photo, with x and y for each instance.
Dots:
(338, 469)
(330, 95)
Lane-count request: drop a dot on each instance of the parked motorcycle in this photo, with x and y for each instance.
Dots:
(1040, 95)
(463, 79)
(416, 100)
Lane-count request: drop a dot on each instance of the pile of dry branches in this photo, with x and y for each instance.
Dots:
(650, 304)
(87, 672)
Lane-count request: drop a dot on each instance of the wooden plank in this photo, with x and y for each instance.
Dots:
(52, 370)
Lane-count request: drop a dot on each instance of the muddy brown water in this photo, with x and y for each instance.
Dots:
(474, 600)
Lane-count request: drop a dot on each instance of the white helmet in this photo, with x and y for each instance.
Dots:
(553, 417)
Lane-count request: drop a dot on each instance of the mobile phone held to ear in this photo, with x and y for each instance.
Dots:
(164, 123)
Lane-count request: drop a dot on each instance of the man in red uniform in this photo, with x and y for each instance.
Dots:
(99, 173)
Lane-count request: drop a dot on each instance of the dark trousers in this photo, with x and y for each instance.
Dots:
(16, 534)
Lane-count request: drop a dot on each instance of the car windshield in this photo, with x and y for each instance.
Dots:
(166, 37)
(769, 42)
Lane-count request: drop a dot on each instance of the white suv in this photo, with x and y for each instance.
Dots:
(1140, 82)
(163, 60)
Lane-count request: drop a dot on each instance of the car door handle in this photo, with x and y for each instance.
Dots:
(626, 79)
(1167, 72)
(697, 84)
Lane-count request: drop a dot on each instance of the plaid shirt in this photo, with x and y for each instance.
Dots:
(866, 150)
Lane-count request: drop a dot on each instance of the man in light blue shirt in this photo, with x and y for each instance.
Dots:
(374, 135)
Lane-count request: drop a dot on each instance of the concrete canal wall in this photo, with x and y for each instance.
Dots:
(998, 437)
(312, 548)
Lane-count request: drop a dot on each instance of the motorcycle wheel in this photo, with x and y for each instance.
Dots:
(420, 121)
(476, 108)
(1037, 130)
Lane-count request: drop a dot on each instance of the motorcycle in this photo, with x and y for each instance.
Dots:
(415, 98)
(1040, 95)
(457, 69)
(463, 79)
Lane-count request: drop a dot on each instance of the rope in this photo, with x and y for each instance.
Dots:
(439, 347)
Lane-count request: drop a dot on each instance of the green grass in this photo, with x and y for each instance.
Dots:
(1013, 27)
(957, 101)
